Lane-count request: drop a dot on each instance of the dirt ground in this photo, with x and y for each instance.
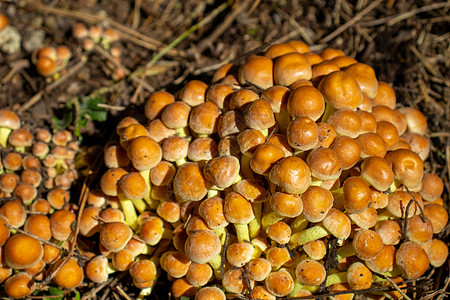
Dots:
(405, 41)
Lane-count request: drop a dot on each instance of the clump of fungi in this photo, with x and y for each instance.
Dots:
(241, 186)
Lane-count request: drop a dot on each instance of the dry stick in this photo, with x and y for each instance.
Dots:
(184, 35)
(140, 39)
(396, 287)
(15, 67)
(350, 22)
(402, 16)
(97, 289)
(136, 14)
(428, 65)
(33, 100)
(298, 29)
(219, 30)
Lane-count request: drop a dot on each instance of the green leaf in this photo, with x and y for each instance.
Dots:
(54, 291)
(77, 296)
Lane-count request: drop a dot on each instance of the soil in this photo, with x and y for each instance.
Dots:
(405, 41)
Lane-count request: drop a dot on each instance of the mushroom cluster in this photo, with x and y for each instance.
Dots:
(51, 62)
(36, 172)
(240, 187)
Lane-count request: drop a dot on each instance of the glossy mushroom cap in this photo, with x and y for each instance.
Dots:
(61, 224)
(372, 145)
(310, 272)
(237, 209)
(176, 115)
(189, 183)
(114, 236)
(22, 251)
(265, 157)
(302, 133)
(96, 269)
(144, 153)
(345, 122)
(292, 174)
(238, 254)
(341, 90)
(438, 253)
(367, 244)
(258, 71)
(193, 93)
(19, 285)
(348, 150)
(385, 95)
(359, 276)
(210, 293)
(357, 195)
(222, 171)
(212, 211)
(432, 187)
(437, 215)
(317, 201)
(9, 119)
(306, 101)
(199, 274)
(412, 260)
(337, 223)
(366, 78)
(415, 119)
(280, 283)
(155, 104)
(202, 246)
(291, 67)
(259, 115)
(175, 263)
(377, 172)
(418, 230)
(324, 163)
(407, 167)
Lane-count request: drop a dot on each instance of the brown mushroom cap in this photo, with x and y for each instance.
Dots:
(372, 145)
(61, 224)
(366, 78)
(359, 276)
(175, 263)
(158, 131)
(291, 67)
(109, 182)
(258, 269)
(398, 203)
(219, 94)
(238, 254)
(9, 119)
(292, 174)
(321, 69)
(210, 293)
(432, 187)
(341, 90)
(315, 250)
(302, 133)
(324, 163)
(22, 251)
(317, 201)
(204, 117)
(326, 135)
(237, 209)
(259, 115)
(348, 150)
(419, 231)
(438, 253)
(193, 93)
(357, 195)
(202, 246)
(279, 232)
(155, 104)
(212, 211)
(189, 183)
(176, 115)
(280, 49)
(222, 171)
(437, 215)
(143, 271)
(306, 101)
(337, 223)
(280, 283)
(19, 285)
(265, 157)
(407, 167)
(96, 269)
(377, 172)
(385, 95)
(345, 122)
(367, 244)
(144, 153)
(38, 225)
(202, 149)
(412, 260)
(366, 219)
(415, 119)
(310, 272)
(199, 274)
(114, 236)
(258, 71)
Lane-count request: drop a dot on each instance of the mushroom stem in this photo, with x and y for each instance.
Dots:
(129, 212)
(255, 225)
(4, 134)
(242, 232)
(216, 263)
(300, 223)
(329, 109)
(309, 235)
(245, 167)
(385, 215)
(270, 219)
(345, 251)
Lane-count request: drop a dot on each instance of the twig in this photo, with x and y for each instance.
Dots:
(140, 39)
(109, 57)
(111, 107)
(97, 289)
(72, 71)
(396, 287)
(136, 14)
(350, 22)
(219, 30)
(185, 34)
(121, 292)
(15, 67)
